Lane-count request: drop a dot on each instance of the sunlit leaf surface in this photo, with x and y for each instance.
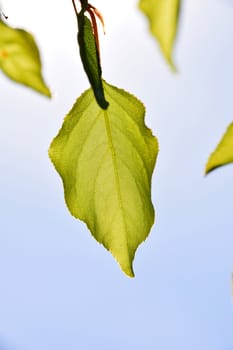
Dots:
(223, 154)
(163, 16)
(20, 58)
(106, 159)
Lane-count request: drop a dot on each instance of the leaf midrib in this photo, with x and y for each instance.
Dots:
(117, 179)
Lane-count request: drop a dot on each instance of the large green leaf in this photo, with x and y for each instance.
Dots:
(163, 16)
(90, 58)
(223, 154)
(106, 159)
(20, 58)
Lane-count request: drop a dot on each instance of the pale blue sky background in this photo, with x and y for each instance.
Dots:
(59, 289)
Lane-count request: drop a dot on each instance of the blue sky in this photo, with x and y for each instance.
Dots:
(59, 288)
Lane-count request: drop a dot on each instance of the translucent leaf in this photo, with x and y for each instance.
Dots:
(20, 58)
(90, 58)
(106, 159)
(223, 154)
(163, 16)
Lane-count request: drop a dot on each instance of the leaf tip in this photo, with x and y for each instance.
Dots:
(172, 66)
(210, 168)
(210, 165)
(124, 258)
(47, 93)
(222, 155)
(128, 271)
(207, 170)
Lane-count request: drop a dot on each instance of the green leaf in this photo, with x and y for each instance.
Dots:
(106, 159)
(163, 16)
(223, 154)
(20, 58)
(90, 58)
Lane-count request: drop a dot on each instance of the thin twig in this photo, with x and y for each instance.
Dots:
(75, 8)
(95, 28)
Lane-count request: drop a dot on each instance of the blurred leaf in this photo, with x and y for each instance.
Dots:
(20, 58)
(223, 154)
(90, 58)
(106, 159)
(163, 16)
